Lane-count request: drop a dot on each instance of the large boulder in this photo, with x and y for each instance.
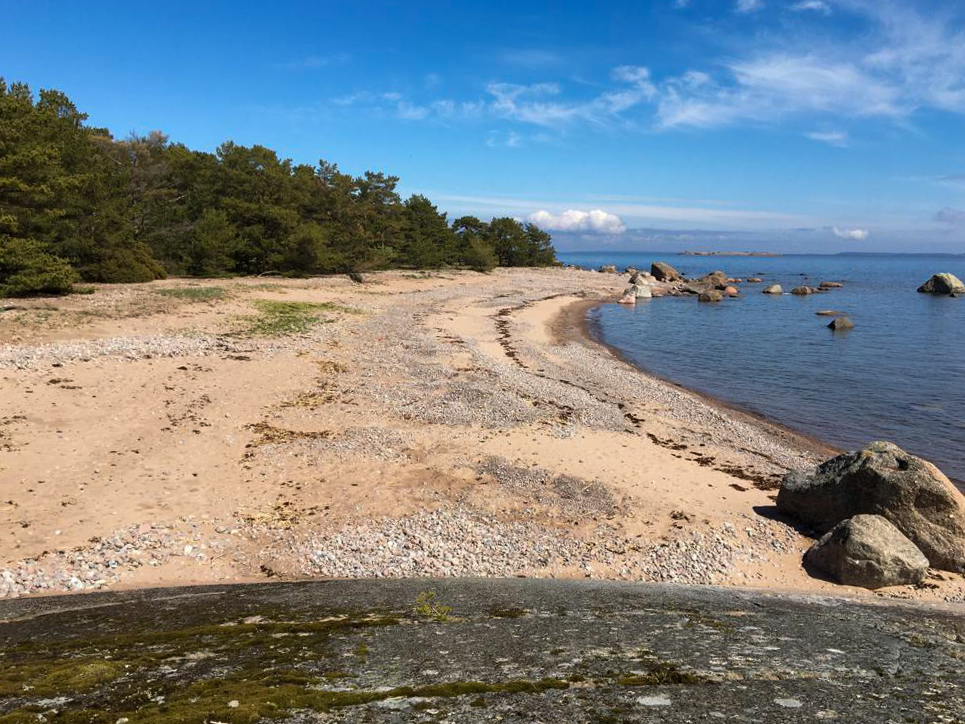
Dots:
(774, 289)
(710, 296)
(943, 284)
(717, 279)
(803, 291)
(870, 552)
(664, 272)
(882, 479)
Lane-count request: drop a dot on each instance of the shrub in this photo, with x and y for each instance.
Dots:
(26, 268)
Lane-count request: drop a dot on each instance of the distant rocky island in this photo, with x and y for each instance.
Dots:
(728, 253)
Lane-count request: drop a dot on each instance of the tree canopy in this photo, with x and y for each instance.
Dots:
(77, 203)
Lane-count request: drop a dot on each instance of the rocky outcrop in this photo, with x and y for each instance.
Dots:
(840, 324)
(664, 272)
(710, 296)
(774, 289)
(868, 551)
(943, 283)
(882, 479)
(717, 279)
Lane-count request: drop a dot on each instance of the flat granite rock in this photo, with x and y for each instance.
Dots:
(476, 651)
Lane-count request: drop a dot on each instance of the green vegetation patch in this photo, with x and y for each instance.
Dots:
(48, 678)
(277, 319)
(194, 294)
(659, 674)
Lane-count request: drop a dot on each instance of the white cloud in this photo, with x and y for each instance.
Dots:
(748, 6)
(818, 6)
(596, 221)
(853, 234)
(411, 112)
(834, 138)
(392, 96)
(951, 216)
(769, 87)
(509, 139)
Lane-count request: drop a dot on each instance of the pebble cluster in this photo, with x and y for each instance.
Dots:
(463, 542)
(103, 562)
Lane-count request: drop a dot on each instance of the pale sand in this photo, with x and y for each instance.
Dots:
(407, 406)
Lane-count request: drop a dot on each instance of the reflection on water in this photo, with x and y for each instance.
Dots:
(898, 375)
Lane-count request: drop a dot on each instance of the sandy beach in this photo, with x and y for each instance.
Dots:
(431, 424)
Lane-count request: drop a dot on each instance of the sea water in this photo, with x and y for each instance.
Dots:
(899, 375)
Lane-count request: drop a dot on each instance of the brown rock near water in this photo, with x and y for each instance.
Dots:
(731, 291)
(868, 551)
(827, 313)
(802, 291)
(830, 285)
(710, 296)
(664, 272)
(774, 289)
(841, 324)
(882, 479)
(943, 283)
(754, 280)
(608, 269)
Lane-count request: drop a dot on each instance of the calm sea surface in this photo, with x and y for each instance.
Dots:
(899, 375)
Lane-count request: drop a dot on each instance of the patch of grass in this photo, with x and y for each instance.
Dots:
(496, 611)
(194, 294)
(53, 679)
(276, 318)
(661, 673)
(426, 605)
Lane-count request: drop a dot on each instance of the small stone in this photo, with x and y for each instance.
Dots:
(789, 703)
(234, 704)
(653, 700)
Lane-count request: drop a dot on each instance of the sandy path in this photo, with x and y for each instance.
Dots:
(460, 424)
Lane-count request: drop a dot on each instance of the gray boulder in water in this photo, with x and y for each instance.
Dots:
(664, 272)
(870, 552)
(943, 283)
(774, 289)
(711, 295)
(840, 324)
(882, 479)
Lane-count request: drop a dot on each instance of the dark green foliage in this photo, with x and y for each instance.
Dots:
(25, 268)
(132, 210)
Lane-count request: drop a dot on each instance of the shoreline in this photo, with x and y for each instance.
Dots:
(591, 334)
(784, 431)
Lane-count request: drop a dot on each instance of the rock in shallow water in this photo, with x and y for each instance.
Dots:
(882, 479)
(710, 296)
(943, 283)
(774, 289)
(840, 324)
(870, 552)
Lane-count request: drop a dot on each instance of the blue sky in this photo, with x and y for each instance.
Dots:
(789, 125)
